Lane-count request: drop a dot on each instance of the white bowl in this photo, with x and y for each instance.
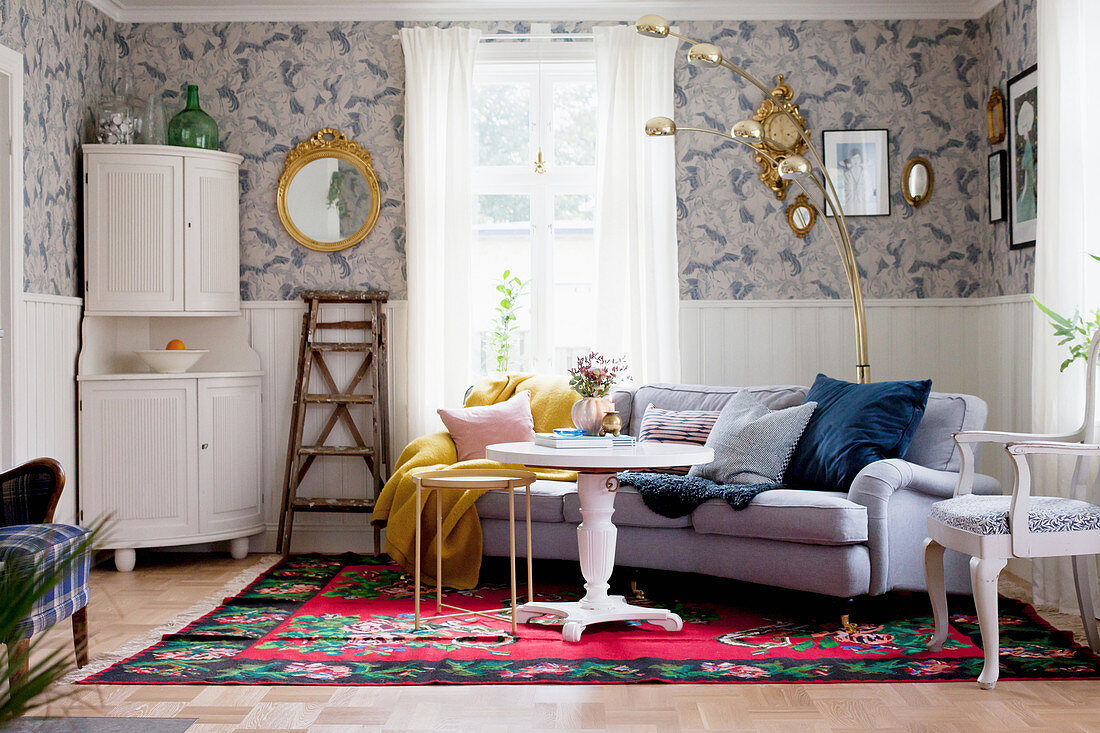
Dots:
(171, 361)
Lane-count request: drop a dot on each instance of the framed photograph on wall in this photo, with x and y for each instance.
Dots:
(1023, 157)
(998, 188)
(858, 161)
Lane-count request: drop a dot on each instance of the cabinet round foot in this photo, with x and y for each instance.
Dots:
(238, 548)
(125, 559)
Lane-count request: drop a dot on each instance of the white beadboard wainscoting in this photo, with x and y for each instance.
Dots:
(45, 387)
(978, 345)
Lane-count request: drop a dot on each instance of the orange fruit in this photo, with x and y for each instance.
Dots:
(175, 345)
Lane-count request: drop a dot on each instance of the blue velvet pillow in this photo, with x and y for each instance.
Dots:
(854, 425)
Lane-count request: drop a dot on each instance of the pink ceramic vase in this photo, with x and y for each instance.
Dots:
(588, 412)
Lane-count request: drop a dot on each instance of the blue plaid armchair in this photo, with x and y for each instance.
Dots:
(28, 538)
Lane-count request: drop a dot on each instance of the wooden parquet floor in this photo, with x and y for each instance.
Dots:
(125, 606)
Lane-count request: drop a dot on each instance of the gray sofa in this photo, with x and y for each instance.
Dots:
(865, 541)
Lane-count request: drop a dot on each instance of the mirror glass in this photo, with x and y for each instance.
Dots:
(328, 199)
(918, 181)
(801, 217)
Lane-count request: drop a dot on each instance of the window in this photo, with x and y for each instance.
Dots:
(539, 226)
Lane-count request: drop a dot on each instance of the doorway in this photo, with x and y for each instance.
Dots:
(11, 247)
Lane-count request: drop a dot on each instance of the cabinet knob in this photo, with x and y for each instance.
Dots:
(205, 446)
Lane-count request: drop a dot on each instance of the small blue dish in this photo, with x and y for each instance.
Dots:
(568, 432)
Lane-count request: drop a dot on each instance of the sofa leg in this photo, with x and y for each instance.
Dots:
(846, 607)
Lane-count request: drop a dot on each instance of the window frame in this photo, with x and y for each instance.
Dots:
(560, 62)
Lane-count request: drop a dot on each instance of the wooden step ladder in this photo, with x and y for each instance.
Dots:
(371, 375)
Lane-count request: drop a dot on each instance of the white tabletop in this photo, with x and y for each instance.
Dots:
(641, 455)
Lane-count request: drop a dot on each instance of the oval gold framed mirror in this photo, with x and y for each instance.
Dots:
(801, 216)
(328, 197)
(916, 181)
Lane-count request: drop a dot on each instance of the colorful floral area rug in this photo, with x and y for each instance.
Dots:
(347, 620)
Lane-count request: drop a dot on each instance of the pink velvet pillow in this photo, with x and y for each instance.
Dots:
(473, 428)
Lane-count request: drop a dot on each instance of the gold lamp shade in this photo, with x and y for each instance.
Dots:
(794, 167)
(660, 127)
(748, 130)
(653, 26)
(705, 54)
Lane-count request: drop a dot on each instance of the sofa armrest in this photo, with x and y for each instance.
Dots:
(878, 483)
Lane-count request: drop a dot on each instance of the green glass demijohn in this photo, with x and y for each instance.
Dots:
(191, 127)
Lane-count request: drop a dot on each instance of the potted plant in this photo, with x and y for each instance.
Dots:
(1074, 332)
(511, 289)
(592, 378)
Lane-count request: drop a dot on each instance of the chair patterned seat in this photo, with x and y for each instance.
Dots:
(42, 548)
(988, 515)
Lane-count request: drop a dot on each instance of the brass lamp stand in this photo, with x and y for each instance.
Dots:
(793, 167)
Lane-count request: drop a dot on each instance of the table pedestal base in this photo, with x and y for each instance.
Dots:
(577, 616)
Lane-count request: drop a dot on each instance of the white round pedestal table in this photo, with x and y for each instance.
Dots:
(596, 485)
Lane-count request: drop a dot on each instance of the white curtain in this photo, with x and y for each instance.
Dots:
(439, 69)
(638, 305)
(1065, 277)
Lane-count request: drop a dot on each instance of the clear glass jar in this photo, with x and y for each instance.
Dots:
(117, 120)
(154, 122)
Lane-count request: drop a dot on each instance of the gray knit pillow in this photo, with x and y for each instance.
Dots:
(752, 444)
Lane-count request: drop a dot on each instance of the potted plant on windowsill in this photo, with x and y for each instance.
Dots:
(592, 378)
(511, 289)
(1074, 332)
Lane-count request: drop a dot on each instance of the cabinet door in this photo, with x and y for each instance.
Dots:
(133, 253)
(230, 454)
(138, 459)
(212, 212)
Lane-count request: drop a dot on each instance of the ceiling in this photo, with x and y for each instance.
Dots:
(148, 11)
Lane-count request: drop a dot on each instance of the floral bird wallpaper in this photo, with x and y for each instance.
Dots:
(67, 48)
(270, 85)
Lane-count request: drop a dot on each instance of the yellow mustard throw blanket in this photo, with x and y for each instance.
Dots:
(551, 401)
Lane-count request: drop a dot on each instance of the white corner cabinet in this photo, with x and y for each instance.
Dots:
(162, 230)
(167, 459)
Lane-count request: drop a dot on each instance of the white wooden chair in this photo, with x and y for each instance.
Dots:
(993, 529)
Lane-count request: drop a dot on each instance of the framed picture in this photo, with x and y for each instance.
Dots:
(1023, 157)
(858, 161)
(998, 188)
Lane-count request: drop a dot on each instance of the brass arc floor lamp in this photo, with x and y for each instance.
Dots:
(793, 167)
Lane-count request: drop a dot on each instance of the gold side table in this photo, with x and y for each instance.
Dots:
(502, 479)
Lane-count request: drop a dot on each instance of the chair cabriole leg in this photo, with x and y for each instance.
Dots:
(937, 591)
(1084, 579)
(984, 573)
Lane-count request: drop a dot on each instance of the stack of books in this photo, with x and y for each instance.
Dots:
(550, 440)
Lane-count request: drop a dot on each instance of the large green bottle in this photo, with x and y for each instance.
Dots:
(191, 127)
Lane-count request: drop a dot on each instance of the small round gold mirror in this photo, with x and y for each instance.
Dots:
(801, 216)
(916, 181)
(328, 197)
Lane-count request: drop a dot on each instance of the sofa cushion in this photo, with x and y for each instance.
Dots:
(546, 502)
(789, 515)
(752, 444)
(853, 426)
(630, 511)
(691, 427)
(945, 414)
(696, 397)
(474, 428)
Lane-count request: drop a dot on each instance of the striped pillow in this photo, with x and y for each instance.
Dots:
(676, 426)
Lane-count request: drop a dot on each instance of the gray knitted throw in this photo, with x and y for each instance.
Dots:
(676, 496)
